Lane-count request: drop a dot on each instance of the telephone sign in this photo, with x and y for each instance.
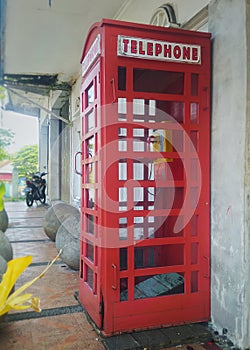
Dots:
(158, 50)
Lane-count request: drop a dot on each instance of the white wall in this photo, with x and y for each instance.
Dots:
(246, 311)
(141, 11)
(228, 166)
(76, 136)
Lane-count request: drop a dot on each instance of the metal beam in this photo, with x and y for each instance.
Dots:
(38, 105)
(40, 84)
(198, 20)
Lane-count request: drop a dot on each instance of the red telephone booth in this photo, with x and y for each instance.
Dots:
(145, 106)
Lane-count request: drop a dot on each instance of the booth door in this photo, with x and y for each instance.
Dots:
(162, 185)
(90, 251)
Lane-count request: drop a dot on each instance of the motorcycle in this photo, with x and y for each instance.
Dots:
(35, 189)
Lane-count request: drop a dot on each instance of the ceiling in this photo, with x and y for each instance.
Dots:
(47, 36)
(42, 41)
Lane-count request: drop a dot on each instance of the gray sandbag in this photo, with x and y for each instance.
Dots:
(3, 267)
(4, 220)
(6, 250)
(55, 216)
(68, 240)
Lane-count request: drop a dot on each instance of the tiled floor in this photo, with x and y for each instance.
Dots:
(62, 324)
(66, 329)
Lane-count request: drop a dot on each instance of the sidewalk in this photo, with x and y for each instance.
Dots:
(62, 323)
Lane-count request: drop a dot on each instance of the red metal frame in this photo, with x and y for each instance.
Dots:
(145, 229)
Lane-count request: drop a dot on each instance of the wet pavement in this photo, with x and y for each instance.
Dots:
(62, 323)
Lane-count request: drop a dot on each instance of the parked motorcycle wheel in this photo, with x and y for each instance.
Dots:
(29, 199)
(43, 198)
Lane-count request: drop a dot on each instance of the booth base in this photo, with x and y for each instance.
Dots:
(160, 338)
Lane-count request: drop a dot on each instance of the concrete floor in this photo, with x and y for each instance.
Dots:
(62, 324)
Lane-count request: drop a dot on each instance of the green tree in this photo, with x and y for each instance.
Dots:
(26, 160)
(6, 138)
(2, 93)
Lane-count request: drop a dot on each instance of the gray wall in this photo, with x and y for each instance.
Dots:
(246, 311)
(54, 176)
(65, 155)
(229, 284)
(43, 147)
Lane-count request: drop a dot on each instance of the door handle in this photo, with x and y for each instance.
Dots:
(75, 167)
(112, 81)
(115, 277)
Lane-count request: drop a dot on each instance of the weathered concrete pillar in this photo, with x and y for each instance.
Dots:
(230, 285)
(54, 177)
(14, 182)
(43, 149)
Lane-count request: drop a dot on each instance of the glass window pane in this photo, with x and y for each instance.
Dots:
(90, 251)
(138, 106)
(194, 253)
(194, 226)
(123, 230)
(194, 138)
(158, 256)
(122, 132)
(90, 95)
(194, 197)
(138, 194)
(138, 227)
(90, 223)
(194, 112)
(195, 169)
(165, 226)
(123, 289)
(194, 281)
(122, 198)
(122, 145)
(123, 258)
(139, 132)
(90, 120)
(152, 107)
(90, 173)
(122, 105)
(90, 147)
(159, 285)
(122, 78)
(158, 81)
(170, 111)
(138, 146)
(169, 198)
(138, 171)
(90, 198)
(89, 276)
(122, 171)
(194, 84)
